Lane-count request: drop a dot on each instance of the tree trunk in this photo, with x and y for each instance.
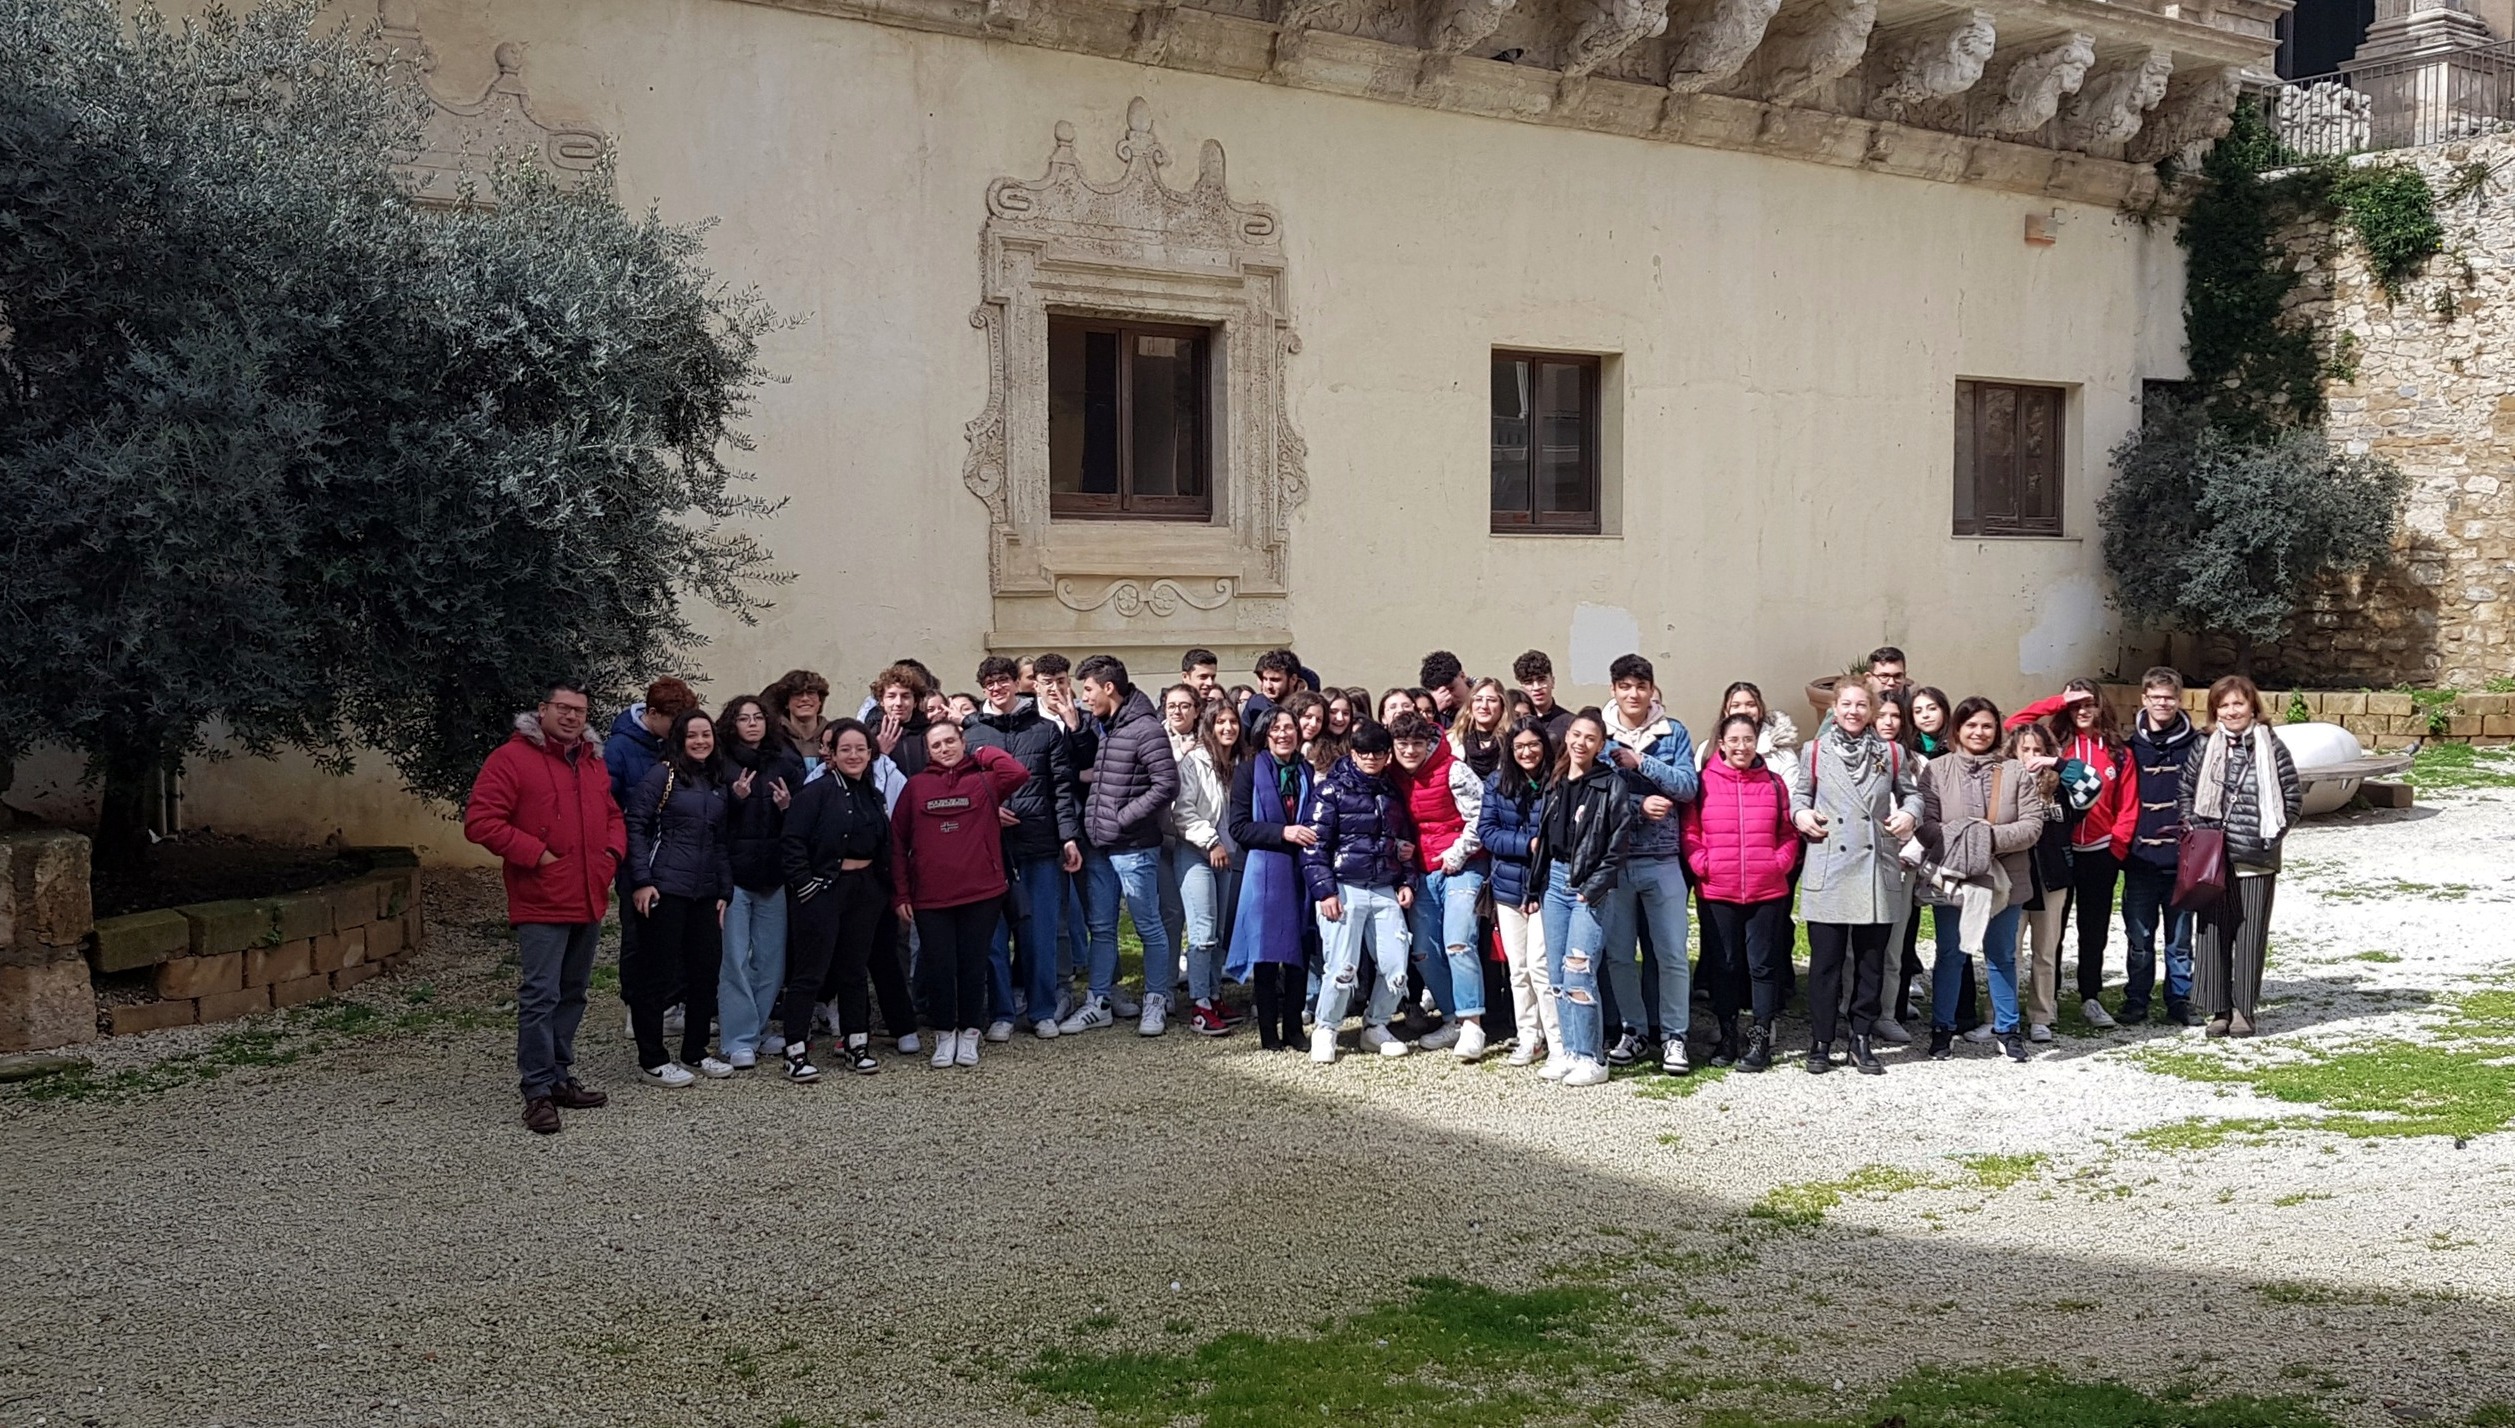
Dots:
(122, 819)
(2244, 655)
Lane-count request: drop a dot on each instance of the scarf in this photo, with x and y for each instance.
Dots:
(1481, 752)
(2209, 800)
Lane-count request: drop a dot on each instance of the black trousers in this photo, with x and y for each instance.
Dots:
(2092, 876)
(1280, 988)
(674, 958)
(1746, 949)
(1830, 944)
(833, 929)
(844, 984)
(953, 943)
(1908, 966)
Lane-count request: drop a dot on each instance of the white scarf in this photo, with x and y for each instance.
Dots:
(2209, 800)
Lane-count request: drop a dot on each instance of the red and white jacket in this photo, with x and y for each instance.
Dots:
(2114, 817)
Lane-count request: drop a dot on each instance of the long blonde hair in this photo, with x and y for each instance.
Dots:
(2047, 781)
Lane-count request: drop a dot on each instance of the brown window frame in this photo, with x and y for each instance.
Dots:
(1986, 501)
(1589, 522)
(1125, 504)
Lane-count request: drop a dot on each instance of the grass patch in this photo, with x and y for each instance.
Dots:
(2039, 1398)
(1803, 1206)
(1652, 1086)
(284, 1040)
(2376, 955)
(2292, 1200)
(2460, 766)
(2205, 1132)
(1999, 1172)
(1449, 1351)
(2297, 1291)
(2394, 889)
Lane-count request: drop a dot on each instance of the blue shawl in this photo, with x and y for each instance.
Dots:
(1274, 910)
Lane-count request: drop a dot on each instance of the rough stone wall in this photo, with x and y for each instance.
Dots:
(2434, 390)
(45, 916)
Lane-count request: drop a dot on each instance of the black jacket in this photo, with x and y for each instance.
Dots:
(1360, 820)
(2157, 761)
(1050, 810)
(2246, 784)
(1261, 825)
(677, 835)
(1134, 778)
(756, 823)
(1583, 826)
(834, 818)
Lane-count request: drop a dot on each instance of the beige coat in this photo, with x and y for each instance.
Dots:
(1952, 791)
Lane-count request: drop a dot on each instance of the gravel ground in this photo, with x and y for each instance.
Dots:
(343, 1223)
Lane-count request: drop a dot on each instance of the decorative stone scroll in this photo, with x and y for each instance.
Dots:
(1609, 29)
(1136, 247)
(1461, 25)
(463, 140)
(1811, 45)
(1712, 39)
(2113, 102)
(2030, 91)
(1941, 58)
(2198, 110)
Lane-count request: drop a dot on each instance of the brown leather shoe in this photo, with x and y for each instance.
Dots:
(541, 1117)
(2217, 1026)
(2238, 1024)
(576, 1097)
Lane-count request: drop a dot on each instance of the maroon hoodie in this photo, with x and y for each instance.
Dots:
(945, 837)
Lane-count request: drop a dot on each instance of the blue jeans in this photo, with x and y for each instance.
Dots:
(1132, 875)
(1999, 956)
(1443, 924)
(1575, 937)
(1205, 894)
(2145, 890)
(753, 973)
(1044, 890)
(1373, 930)
(1652, 888)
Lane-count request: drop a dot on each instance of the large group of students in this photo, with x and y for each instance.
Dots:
(1464, 863)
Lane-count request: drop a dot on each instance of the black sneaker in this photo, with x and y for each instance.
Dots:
(2132, 1014)
(861, 1060)
(2178, 1014)
(1628, 1049)
(1942, 1044)
(2014, 1045)
(799, 1065)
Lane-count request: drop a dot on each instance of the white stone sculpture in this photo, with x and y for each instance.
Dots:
(1811, 47)
(1611, 28)
(1464, 24)
(1713, 39)
(2110, 107)
(2325, 118)
(1942, 59)
(2198, 111)
(2032, 90)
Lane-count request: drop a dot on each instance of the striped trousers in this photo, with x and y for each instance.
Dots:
(2229, 940)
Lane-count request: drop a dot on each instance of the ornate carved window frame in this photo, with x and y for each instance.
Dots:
(1141, 250)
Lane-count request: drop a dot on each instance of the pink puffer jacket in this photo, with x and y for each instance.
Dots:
(1739, 844)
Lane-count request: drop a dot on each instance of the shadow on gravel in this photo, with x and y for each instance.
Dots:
(367, 1235)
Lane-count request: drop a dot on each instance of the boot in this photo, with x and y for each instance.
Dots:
(1727, 1052)
(1942, 1044)
(1759, 1052)
(1865, 1059)
(1820, 1058)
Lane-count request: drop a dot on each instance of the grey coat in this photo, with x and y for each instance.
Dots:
(1953, 794)
(1853, 875)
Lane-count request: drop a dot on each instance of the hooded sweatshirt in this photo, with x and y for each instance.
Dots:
(631, 750)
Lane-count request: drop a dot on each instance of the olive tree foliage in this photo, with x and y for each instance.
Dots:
(289, 457)
(2208, 532)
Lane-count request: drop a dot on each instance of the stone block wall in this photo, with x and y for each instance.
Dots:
(2434, 390)
(213, 961)
(45, 915)
(2382, 721)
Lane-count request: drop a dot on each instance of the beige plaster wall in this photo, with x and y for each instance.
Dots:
(1788, 337)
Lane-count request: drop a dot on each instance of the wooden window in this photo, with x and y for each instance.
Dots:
(2008, 458)
(1545, 442)
(1127, 420)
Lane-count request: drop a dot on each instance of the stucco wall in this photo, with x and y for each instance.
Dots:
(1788, 339)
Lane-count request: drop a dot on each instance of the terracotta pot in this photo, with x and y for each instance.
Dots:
(1821, 695)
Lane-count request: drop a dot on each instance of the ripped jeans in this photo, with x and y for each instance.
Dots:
(1368, 941)
(1576, 937)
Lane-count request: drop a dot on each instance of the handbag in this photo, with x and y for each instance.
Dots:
(2200, 868)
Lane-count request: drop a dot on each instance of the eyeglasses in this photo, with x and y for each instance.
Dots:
(569, 708)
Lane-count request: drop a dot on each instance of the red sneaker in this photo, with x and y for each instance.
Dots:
(1208, 1022)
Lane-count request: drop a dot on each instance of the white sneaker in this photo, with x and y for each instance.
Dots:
(1323, 1046)
(1092, 1015)
(2039, 1032)
(1000, 1031)
(1156, 1019)
(1123, 1004)
(1440, 1038)
(1471, 1041)
(1377, 1038)
(1044, 1030)
(672, 1075)
(1556, 1068)
(965, 1048)
(945, 1044)
(909, 1045)
(2096, 1014)
(1982, 1035)
(1525, 1053)
(715, 1070)
(772, 1046)
(1892, 1031)
(745, 1060)
(1585, 1073)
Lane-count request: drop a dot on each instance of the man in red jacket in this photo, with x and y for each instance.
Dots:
(543, 804)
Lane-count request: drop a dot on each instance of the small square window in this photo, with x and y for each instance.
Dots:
(1127, 420)
(2009, 468)
(1545, 442)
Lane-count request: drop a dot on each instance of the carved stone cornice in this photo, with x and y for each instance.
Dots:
(1712, 39)
(1939, 59)
(2030, 89)
(1782, 101)
(2198, 110)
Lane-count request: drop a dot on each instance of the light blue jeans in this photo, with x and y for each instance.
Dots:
(1575, 935)
(1999, 955)
(1131, 875)
(1205, 893)
(1044, 885)
(1652, 888)
(753, 974)
(1372, 932)
(1444, 930)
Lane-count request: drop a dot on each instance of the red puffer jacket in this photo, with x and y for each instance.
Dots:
(534, 797)
(946, 841)
(1739, 844)
(1438, 821)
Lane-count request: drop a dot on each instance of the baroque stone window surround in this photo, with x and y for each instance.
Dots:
(1136, 249)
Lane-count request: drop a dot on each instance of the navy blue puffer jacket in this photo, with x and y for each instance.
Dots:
(678, 841)
(1508, 830)
(1360, 820)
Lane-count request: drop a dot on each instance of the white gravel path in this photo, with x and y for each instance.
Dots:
(364, 1234)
